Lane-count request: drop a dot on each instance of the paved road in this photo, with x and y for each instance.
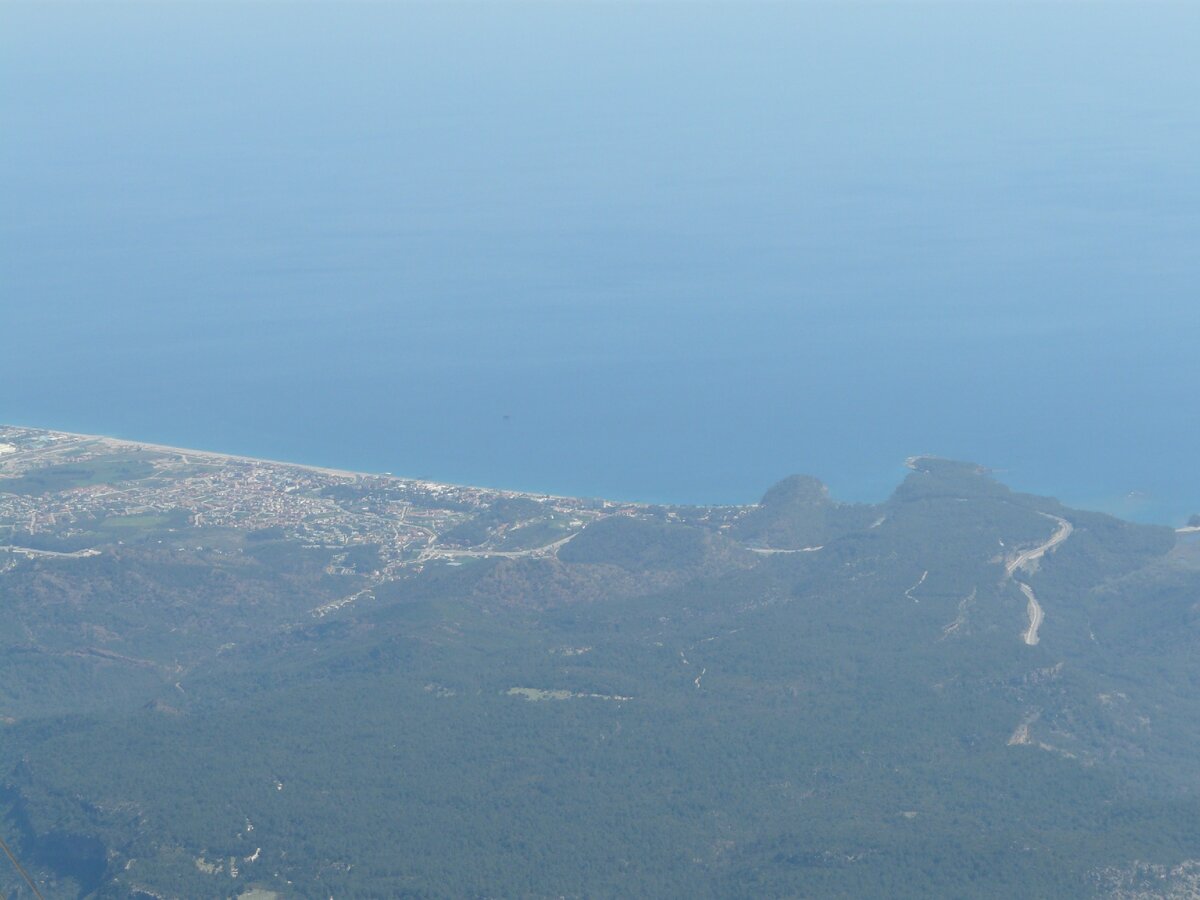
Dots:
(545, 550)
(29, 551)
(1037, 615)
(1035, 612)
(1027, 556)
(767, 551)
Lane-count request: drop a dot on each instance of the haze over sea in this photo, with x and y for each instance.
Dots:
(665, 253)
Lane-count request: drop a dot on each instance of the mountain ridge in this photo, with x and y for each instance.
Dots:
(264, 678)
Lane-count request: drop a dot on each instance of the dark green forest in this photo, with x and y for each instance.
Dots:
(682, 703)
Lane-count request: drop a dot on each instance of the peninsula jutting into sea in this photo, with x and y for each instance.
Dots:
(225, 676)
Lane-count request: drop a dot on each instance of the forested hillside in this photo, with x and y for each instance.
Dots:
(802, 698)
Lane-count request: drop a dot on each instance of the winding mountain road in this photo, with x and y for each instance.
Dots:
(1037, 615)
(1035, 612)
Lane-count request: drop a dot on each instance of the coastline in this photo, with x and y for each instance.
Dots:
(1110, 507)
(215, 455)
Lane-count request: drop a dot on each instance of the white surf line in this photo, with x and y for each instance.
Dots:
(1188, 529)
(218, 457)
(1034, 610)
(920, 581)
(698, 677)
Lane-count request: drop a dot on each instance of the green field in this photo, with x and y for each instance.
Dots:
(52, 479)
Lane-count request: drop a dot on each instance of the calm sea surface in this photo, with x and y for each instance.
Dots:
(663, 253)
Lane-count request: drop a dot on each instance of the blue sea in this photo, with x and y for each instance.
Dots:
(652, 252)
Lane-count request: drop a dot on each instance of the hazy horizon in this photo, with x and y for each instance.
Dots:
(613, 250)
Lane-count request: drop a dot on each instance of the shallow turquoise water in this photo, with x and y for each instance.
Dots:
(656, 252)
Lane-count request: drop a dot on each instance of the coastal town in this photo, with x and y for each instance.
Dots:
(57, 488)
